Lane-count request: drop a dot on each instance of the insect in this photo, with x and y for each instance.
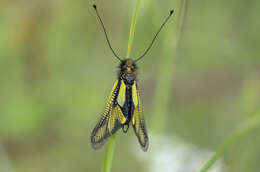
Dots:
(123, 107)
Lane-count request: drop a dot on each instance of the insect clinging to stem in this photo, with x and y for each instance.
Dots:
(124, 105)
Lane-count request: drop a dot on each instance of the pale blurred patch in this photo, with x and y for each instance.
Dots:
(173, 154)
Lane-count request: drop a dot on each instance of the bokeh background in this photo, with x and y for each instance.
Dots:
(199, 83)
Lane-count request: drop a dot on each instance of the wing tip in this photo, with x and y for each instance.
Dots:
(145, 145)
(145, 148)
(94, 144)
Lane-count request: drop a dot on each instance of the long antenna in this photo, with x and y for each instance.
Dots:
(157, 33)
(95, 7)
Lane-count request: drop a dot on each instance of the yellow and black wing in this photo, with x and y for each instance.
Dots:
(138, 121)
(111, 120)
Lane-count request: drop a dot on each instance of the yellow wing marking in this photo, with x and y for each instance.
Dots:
(116, 115)
(121, 94)
(110, 100)
(139, 126)
(99, 133)
(121, 118)
(111, 120)
(134, 94)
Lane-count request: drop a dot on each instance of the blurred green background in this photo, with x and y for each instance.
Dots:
(199, 83)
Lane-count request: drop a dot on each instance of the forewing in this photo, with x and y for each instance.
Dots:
(111, 120)
(138, 121)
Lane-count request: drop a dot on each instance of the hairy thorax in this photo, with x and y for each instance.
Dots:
(128, 71)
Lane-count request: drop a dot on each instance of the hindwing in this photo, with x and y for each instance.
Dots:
(138, 121)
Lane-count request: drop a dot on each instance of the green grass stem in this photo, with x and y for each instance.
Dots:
(132, 28)
(109, 154)
(111, 142)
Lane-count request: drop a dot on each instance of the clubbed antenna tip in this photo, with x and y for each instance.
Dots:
(104, 29)
(157, 33)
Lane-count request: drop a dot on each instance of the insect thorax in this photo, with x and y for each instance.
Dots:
(127, 71)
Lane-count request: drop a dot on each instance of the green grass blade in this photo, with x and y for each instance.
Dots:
(235, 137)
(111, 142)
(109, 154)
(132, 28)
(164, 85)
